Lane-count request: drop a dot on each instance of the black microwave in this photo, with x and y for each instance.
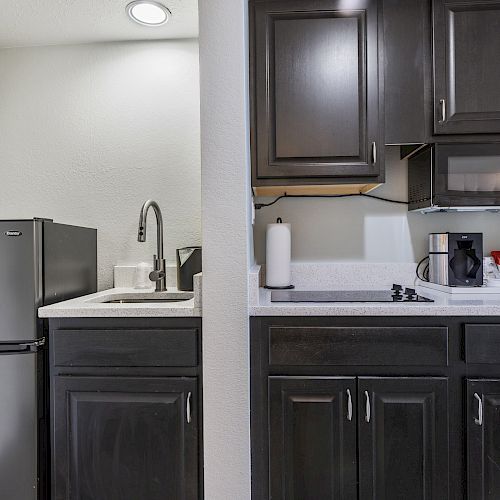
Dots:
(455, 177)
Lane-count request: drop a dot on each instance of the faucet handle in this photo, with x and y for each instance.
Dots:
(157, 275)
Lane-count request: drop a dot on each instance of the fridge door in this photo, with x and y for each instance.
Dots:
(20, 279)
(18, 427)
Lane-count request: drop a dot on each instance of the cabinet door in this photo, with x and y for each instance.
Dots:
(407, 70)
(316, 90)
(483, 439)
(466, 69)
(124, 438)
(312, 438)
(403, 438)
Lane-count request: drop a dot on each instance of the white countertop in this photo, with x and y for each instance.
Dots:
(444, 305)
(315, 277)
(92, 306)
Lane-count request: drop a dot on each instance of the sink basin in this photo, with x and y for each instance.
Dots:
(144, 298)
(142, 301)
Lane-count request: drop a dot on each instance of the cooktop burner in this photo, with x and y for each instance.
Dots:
(396, 294)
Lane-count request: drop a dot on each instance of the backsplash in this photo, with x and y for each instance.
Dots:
(341, 276)
(359, 229)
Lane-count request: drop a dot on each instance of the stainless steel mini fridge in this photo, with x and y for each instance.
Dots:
(41, 263)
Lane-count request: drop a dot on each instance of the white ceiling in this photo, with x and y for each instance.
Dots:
(54, 22)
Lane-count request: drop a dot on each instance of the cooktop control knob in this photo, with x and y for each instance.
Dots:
(397, 289)
(411, 293)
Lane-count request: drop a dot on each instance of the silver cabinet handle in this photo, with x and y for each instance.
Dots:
(368, 413)
(442, 105)
(188, 408)
(349, 405)
(374, 152)
(479, 419)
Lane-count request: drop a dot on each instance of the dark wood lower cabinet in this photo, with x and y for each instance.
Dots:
(397, 427)
(425, 420)
(312, 426)
(122, 438)
(403, 438)
(126, 409)
(483, 439)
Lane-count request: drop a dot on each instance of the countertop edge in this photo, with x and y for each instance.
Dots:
(84, 307)
(472, 311)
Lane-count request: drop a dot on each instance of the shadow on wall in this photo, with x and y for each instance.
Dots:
(360, 229)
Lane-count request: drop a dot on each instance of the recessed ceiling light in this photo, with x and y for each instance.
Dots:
(148, 13)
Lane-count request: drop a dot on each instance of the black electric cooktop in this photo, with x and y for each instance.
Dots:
(396, 294)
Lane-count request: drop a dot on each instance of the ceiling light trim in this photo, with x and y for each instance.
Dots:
(135, 3)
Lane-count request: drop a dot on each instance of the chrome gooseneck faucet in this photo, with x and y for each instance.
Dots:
(158, 275)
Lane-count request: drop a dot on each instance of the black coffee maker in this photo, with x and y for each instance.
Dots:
(456, 259)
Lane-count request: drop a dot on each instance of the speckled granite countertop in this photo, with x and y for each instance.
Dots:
(94, 306)
(366, 277)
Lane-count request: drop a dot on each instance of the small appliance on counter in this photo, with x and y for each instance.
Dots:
(41, 263)
(188, 264)
(456, 259)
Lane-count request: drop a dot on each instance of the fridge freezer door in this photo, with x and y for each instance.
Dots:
(18, 427)
(21, 287)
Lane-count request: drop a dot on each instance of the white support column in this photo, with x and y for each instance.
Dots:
(226, 247)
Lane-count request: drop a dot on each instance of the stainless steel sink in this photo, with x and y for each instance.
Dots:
(143, 301)
(143, 298)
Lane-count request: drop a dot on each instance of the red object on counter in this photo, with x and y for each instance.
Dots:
(496, 255)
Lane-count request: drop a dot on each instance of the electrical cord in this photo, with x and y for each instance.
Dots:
(258, 206)
(425, 274)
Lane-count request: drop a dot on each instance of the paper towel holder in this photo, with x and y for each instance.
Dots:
(279, 220)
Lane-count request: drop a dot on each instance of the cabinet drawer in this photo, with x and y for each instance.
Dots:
(125, 348)
(482, 344)
(368, 346)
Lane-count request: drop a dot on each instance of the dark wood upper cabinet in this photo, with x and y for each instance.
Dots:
(125, 438)
(312, 423)
(316, 92)
(408, 70)
(403, 438)
(466, 69)
(483, 439)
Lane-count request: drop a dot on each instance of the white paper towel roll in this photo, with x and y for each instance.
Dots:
(278, 254)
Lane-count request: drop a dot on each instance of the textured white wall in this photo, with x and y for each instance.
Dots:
(89, 132)
(226, 235)
(355, 229)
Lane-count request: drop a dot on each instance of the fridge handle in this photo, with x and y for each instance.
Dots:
(21, 347)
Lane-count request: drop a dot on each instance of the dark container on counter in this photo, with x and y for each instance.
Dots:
(188, 264)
